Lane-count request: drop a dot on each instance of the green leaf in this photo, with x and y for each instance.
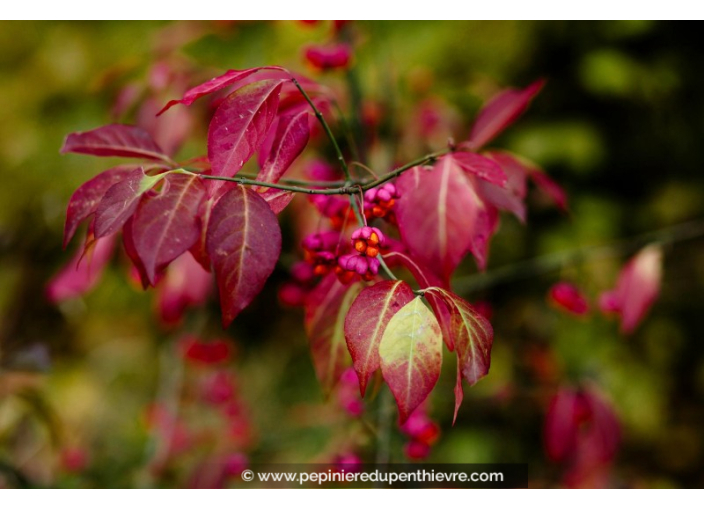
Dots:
(411, 355)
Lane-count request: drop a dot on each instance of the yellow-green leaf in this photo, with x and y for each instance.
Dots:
(411, 355)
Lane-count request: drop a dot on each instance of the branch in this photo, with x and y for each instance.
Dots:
(326, 128)
(348, 188)
(554, 261)
(300, 182)
(398, 171)
(245, 181)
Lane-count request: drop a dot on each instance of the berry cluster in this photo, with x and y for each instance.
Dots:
(320, 251)
(378, 202)
(303, 279)
(335, 208)
(348, 397)
(366, 241)
(422, 433)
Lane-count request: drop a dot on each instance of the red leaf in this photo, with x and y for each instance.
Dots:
(243, 241)
(436, 213)
(82, 272)
(325, 311)
(581, 428)
(550, 188)
(118, 140)
(169, 131)
(568, 297)
(511, 197)
(199, 249)
(220, 82)
(166, 225)
(240, 125)
(473, 335)
(482, 167)
(213, 352)
(567, 409)
(291, 138)
(459, 391)
(366, 321)
(485, 226)
(277, 199)
(86, 198)
(637, 288)
(186, 284)
(329, 57)
(268, 143)
(128, 244)
(411, 355)
(500, 112)
(121, 200)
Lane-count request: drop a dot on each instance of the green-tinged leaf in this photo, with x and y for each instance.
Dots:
(367, 320)
(411, 355)
(326, 309)
(120, 201)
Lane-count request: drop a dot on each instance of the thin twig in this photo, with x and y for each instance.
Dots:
(299, 182)
(398, 171)
(349, 188)
(341, 190)
(326, 128)
(364, 167)
(383, 451)
(554, 261)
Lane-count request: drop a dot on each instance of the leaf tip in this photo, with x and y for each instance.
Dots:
(167, 106)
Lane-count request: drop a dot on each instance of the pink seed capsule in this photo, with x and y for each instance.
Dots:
(384, 195)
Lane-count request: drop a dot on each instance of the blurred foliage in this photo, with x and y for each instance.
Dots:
(619, 125)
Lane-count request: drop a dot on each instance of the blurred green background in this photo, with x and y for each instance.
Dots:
(619, 125)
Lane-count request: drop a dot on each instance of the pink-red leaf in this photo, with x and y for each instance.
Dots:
(219, 82)
(243, 242)
(436, 214)
(569, 297)
(186, 284)
(511, 197)
(167, 224)
(291, 138)
(121, 200)
(130, 250)
(459, 391)
(86, 198)
(199, 249)
(581, 427)
(637, 288)
(169, 131)
(473, 335)
(518, 169)
(485, 226)
(333, 56)
(118, 140)
(366, 321)
(411, 355)
(325, 311)
(277, 199)
(550, 188)
(82, 272)
(240, 125)
(484, 168)
(500, 112)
